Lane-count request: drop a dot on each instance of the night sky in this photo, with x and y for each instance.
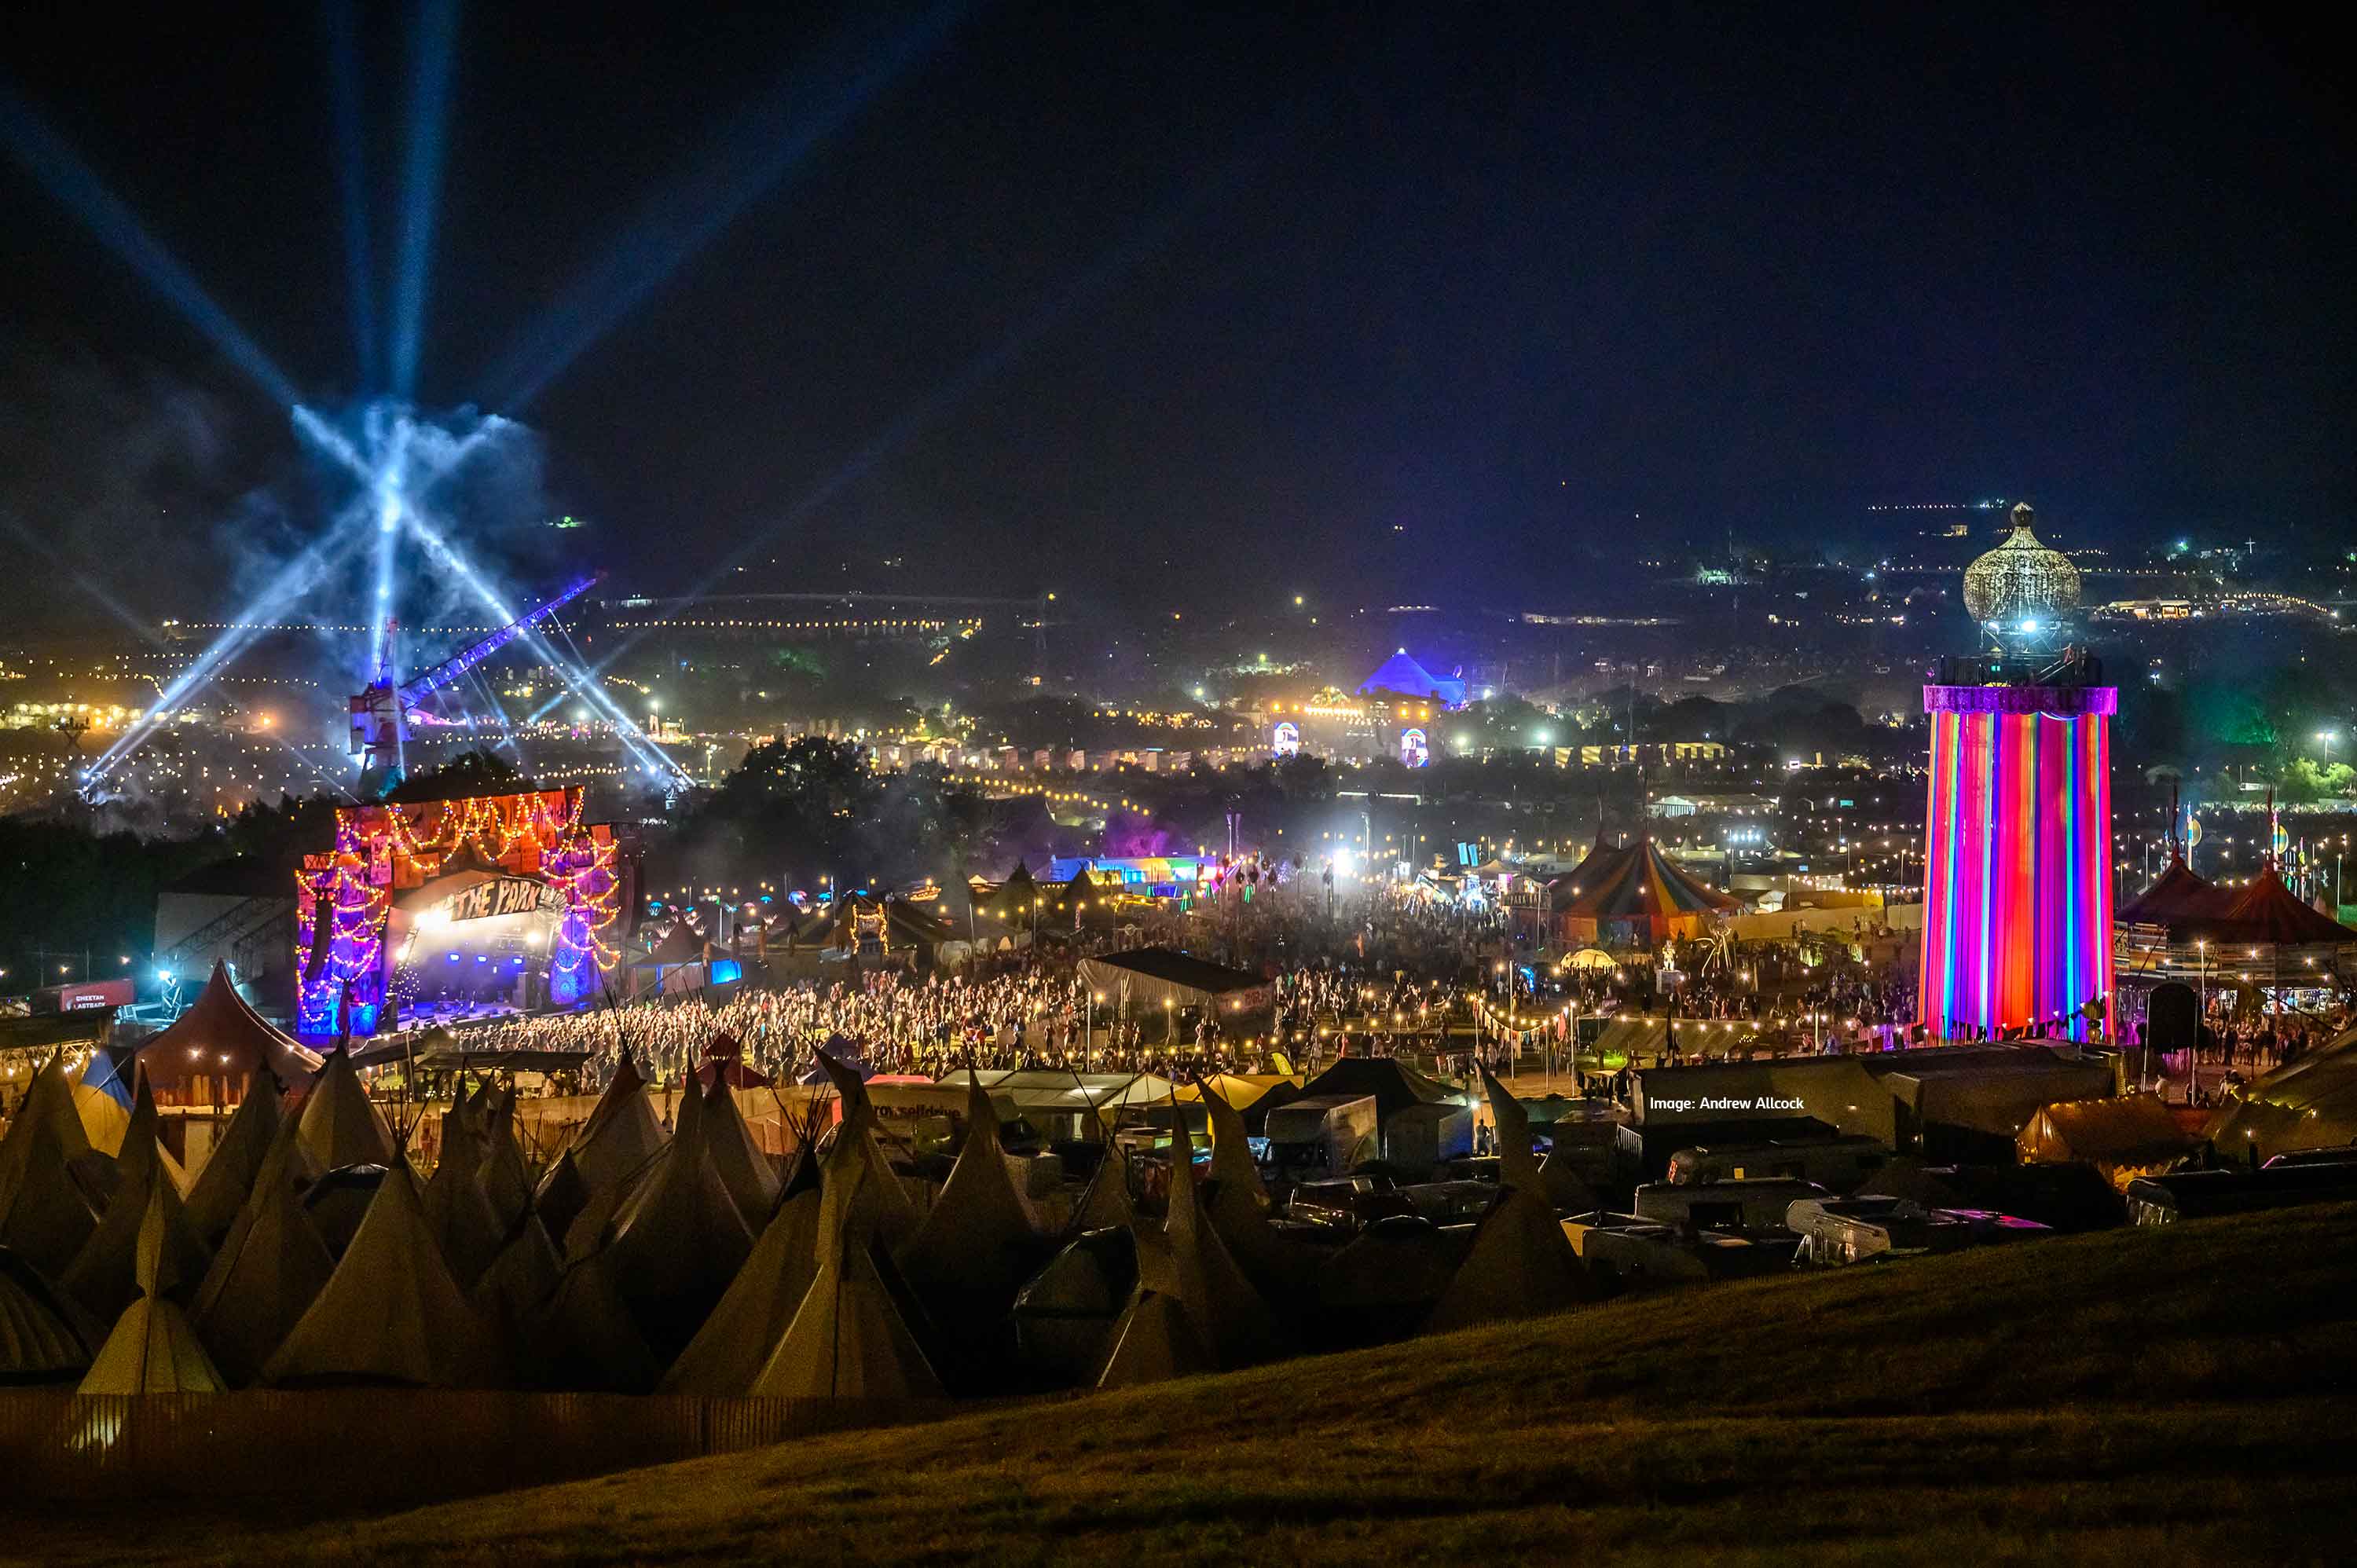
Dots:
(1143, 301)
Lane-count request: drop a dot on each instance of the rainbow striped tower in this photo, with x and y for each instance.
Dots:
(2018, 861)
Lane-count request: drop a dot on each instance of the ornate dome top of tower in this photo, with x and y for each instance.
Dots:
(2022, 580)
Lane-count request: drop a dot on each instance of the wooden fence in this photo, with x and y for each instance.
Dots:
(378, 1447)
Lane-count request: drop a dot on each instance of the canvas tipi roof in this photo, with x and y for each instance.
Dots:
(339, 1125)
(847, 1338)
(744, 1331)
(752, 1180)
(153, 1349)
(680, 1239)
(2268, 913)
(391, 1313)
(269, 1268)
(1153, 1342)
(105, 1275)
(2177, 896)
(44, 1336)
(613, 1146)
(971, 1238)
(44, 1213)
(226, 1178)
(1520, 1265)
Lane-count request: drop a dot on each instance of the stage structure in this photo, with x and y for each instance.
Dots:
(382, 714)
(494, 898)
(2018, 858)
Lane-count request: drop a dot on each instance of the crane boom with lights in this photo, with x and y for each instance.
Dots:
(383, 714)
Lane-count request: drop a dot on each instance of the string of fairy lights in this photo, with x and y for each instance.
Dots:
(380, 847)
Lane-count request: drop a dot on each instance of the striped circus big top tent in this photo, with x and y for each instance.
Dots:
(1634, 896)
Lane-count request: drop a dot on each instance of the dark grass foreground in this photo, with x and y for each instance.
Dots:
(2185, 1393)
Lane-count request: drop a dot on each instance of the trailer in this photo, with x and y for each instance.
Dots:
(1321, 1135)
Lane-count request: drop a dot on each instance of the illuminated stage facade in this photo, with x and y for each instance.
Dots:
(2018, 860)
(514, 891)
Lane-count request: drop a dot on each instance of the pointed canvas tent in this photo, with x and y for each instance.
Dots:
(2267, 913)
(587, 1337)
(102, 1096)
(729, 1351)
(456, 1210)
(45, 1215)
(609, 1152)
(513, 1292)
(339, 1125)
(105, 1275)
(506, 1181)
(44, 1336)
(1521, 1264)
(1238, 1206)
(976, 1239)
(227, 1176)
(391, 1313)
(214, 1053)
(1010, 902)
(153, 1349)
(744, 1169)
(1383, 1284)
(681, 1239)
(1065, 1318)
(1153, 1342)
(848, 1339)
(882, 1205)
(1229, 1311)
(270, 1268)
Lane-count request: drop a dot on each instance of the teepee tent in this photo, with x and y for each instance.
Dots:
(153, 1349)
(269, 1268)
(744, 1170)
(105, 1275)
(339, 1125)
(681, 1239)
(44, 1336)
(1228, 1311)
(729, 1351)
(848, 1339)
(974, 1240)
(228, 1174)
(45, 1214)
(609, 1152)
(1153, 1342)
(391, 1313)
(1521, 1266)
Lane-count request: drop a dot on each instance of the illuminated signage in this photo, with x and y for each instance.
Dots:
(506, 895)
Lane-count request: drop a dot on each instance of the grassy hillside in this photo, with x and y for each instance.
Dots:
(2133, 1396)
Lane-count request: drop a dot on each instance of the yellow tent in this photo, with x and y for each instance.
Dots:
(1240, 1090)
(2123, 1138)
